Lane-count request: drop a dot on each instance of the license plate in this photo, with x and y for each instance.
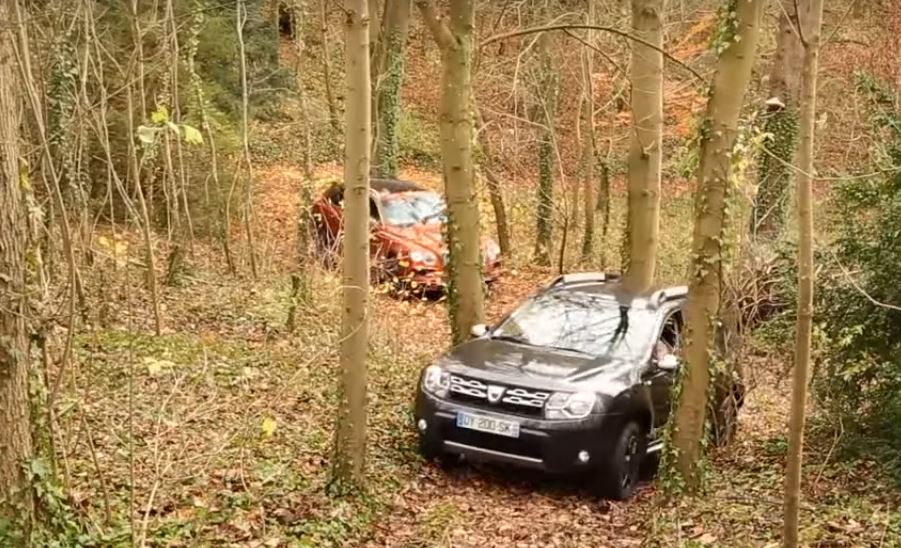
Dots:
(492, 425)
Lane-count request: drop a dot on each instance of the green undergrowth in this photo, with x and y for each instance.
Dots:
(228, 422)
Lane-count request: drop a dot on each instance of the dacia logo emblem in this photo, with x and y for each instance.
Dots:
(495, 393)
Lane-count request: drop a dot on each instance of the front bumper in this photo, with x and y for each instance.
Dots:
(550, 446)
(433, 280)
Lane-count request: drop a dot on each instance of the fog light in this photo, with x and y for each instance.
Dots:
(422, 425)
(584, 456)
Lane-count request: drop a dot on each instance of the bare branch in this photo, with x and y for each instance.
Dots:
(437, 27)
(582, 26)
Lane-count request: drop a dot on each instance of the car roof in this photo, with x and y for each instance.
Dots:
(609, 286)
(394, 185)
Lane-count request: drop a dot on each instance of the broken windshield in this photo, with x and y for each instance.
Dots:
(410, 208)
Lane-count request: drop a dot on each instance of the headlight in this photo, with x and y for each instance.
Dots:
(563, 405)
(435, 380)
(423, 257)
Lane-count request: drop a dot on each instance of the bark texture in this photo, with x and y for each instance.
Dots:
(350, 434)
(547, 83)
(781, 122)
(812, 24)
(495, 192)
(719, 131)
(587, 136)
(466, 299)
(15, 417)
(389, 80)
(646, 144)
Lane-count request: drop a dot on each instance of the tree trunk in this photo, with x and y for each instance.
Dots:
(304, 218)
(330, 100)
(495, 192)
(389, 80)
(247, 161)
(15, 417)
(587, 134)
(466, 299)
(350, 433)
(812, 22)
(546, 93)
(647, 141)
(718, 134)
(781, 122)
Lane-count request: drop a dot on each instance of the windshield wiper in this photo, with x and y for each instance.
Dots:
(511, 338)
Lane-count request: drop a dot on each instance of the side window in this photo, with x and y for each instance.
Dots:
(670, 341)
(336, 194)
(373, 210)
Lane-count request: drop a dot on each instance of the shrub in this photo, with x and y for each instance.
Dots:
(859, 377)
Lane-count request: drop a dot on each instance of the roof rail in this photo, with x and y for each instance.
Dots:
(663, 295)
(583, 277)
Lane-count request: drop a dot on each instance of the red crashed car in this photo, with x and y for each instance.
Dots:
(406, 243)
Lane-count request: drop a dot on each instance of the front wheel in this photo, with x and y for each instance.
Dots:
(620, 470)
(432, 452)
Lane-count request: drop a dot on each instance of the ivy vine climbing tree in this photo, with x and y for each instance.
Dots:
(780, 125)
(16, 503)
(389, 71)
(466, 299)
(736, 46)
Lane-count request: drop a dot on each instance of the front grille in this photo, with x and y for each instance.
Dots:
(518, 400)
(523, 446)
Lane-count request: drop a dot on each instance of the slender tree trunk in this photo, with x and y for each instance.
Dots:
(646, 143)
(719, 131)
(781, 123)
(587, 135)
(466, 299)
(304, 219)
(330, 100)
(241, 19)
(15, 417)
(350, 434)
(495, 192)
(390, 78)
(546, 91)
(602, 205)
(812, 22)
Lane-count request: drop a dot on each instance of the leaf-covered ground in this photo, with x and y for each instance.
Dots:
(218, 432)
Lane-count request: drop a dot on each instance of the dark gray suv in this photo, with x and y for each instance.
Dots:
(577, 379)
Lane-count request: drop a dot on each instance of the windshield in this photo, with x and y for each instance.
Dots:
(410, 208)
(581, 322)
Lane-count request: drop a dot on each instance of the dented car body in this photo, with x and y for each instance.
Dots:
(407, 246)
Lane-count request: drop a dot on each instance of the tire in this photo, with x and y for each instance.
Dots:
(620, 471)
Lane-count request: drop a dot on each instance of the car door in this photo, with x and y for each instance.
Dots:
(377, 244)
(662, 380)
(329, 215)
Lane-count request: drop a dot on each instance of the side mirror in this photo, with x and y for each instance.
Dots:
(478, 330)
(668, 363)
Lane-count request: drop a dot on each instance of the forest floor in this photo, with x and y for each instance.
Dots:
(218, 432)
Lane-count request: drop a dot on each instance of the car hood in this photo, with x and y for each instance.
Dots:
(536, 367)
(422, 235)
(428, 236)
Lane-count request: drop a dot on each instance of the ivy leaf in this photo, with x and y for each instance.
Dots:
(160, 115)
(146, 134)
(268, 427)
(192, 135)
